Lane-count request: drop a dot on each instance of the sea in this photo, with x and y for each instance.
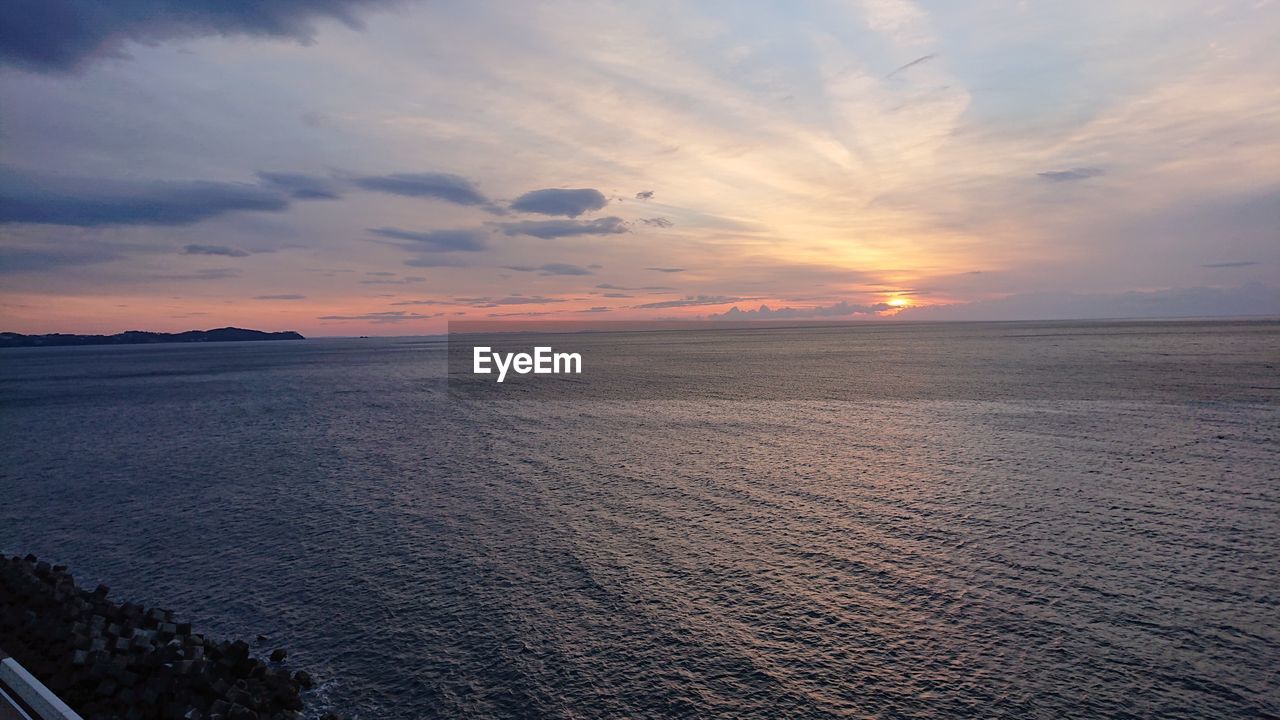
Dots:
(968, 520)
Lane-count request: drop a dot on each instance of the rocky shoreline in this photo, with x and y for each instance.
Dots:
(109, 660)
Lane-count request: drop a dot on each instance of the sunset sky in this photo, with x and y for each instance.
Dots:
(362, 167)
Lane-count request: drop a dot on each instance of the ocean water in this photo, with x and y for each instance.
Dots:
(1023, 520)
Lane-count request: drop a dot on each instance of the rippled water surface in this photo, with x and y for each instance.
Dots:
(1103, 547)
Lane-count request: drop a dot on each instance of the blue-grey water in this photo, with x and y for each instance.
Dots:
(1033, 520)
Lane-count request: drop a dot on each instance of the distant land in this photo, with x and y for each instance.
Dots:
(139, 337)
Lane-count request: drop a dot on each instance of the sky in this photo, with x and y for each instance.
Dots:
(344, 167)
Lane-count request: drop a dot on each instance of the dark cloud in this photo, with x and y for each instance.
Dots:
(436, 240)
(62, 35)
(437, 186)
(666, 269)
(548, 229)
(657, 222)
(221, 250)
(693, 300)
(1245, 263)
(597, 309)
(616, 295)
(1080, 173)
(302, 187)
(47, 200)
(566, 202)
(280, 297)
(611, 286)
(390, 316)
(644, 195)
(551, 269)
(840, 309)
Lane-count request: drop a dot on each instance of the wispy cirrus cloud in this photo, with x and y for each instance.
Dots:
(1240, 264)
(1080, 173)
(221, 250)
(301, 186)
(56, 257)
(434, 186)
(692, 301)
(86, 202)
(551, 269)
(491, 302)
(406, 280)
(384, 317)
(549, 229)
(435, 240)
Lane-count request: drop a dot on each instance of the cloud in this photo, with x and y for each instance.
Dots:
(214, 250)
(1080, 173)
(644, 195)
(567, 202)
(693, 300)
(840, 309)
(551, 269)
(1250, 299)
(657, 222)
(548, 229)
(489, 302)
(389, 316)
(22, 260)
(596, 309)
(913, 63)
(280, 297)
(436, 240)
(207, 274)
(434, 260)
(408, 280)
(616, 295)
(666, 269)
(83, 202)
(423, 302)
(1245, 263)
(437, 186)
(302, 187)
(63, 35)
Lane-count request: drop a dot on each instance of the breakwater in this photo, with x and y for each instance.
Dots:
(109, 660)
